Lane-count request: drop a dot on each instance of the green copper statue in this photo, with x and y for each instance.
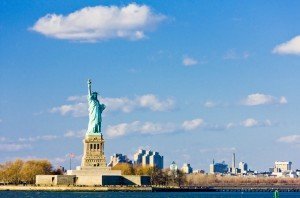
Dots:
(95, 111)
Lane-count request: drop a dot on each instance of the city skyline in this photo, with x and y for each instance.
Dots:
(195, 81)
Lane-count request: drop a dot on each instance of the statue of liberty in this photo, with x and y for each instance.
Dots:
(95, 111)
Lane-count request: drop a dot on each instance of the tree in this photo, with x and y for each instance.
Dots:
(32, 168)
(13, 171)
(10, 172)
(158, 176)
(176, 178)
(126, 169)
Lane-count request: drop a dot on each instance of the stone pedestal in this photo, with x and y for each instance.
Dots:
(93, 151)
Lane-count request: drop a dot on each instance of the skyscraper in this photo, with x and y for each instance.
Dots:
(233, 168)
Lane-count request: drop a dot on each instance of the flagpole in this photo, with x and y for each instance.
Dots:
(70, 162)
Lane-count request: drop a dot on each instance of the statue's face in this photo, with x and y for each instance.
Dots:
(94, 95)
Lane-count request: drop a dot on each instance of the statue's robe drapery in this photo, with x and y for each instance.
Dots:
(95, 111)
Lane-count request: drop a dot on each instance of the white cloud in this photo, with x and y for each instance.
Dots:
(230, 125)
(147, 101)
(37, 138)
(262, 99)
(139, 127)
(290, 47)
(82, 98)
(152, 102)
(123, 104)
(77, 134)
(100, 23)
(76, 110)
(212, 104)
(209, 104)
(290, 139)
(192, 124)
(250, 122)
(10, 147)
(150, 128)
(283, 100)
(232, 55)
(188, 61)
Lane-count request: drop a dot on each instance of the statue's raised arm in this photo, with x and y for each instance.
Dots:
(89, 87)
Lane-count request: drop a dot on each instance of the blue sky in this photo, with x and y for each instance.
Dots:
(193, 80)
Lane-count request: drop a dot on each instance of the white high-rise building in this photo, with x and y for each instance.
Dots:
(243, 167)
(156, 160)
(149, 158)
(186, 168)
(138, 156)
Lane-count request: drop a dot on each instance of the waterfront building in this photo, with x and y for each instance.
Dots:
(243, 167)
(118, 158)
(173, 167)
(148, 158)
(218, 168)
(198, 171)
(282, 166)
(186, 168)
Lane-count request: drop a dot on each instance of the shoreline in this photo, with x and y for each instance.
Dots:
(272, 188)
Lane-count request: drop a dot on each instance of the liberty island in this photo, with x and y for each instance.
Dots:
(93, 170)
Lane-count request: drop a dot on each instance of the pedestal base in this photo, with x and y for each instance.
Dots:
(93, 151)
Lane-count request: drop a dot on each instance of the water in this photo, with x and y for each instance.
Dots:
(29, 194)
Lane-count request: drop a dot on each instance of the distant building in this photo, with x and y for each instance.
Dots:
(218, 168)
(138, 156)
(118, 158)
(186, 168)
(233, 167)
(173, 167)
(198, 171)
(148, 158)
(243, 167)
(281, 166)
(156, 160)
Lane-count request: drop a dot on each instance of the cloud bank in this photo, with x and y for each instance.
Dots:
(188, 61)
(97, 23)
(262, 99)
(122, 104)
(290, 47)
(292, 139)
(151, 128)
